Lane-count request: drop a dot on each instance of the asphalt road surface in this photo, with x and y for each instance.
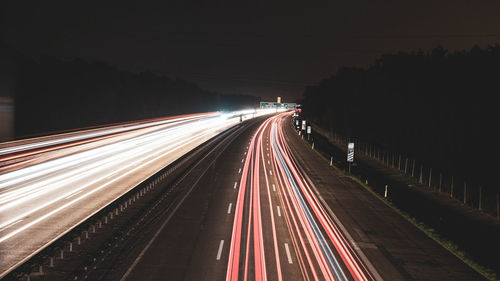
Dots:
(270, 208)
(49, 185)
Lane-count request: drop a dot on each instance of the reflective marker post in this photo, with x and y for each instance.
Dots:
(350, 154)
(308, 131)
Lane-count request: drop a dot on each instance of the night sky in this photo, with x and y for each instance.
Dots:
(253, 48)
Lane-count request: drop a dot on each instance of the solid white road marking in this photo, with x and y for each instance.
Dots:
(288, 254)
(229, 208)
(279, 212)
(219, 253)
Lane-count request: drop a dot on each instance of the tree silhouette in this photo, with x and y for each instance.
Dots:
(436, 106)
(52, 95)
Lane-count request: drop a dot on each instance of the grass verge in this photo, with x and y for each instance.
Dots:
(429, 231)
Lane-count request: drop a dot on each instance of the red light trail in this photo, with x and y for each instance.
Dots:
(312, 232)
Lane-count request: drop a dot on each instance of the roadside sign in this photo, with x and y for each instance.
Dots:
(350, 152)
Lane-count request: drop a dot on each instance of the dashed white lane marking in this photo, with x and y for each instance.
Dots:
(289, 257)
(268, 162)
(279, 211)
(219, 253)
(274, 188)
(242, 160)
(229, 208)
(239, 171)
(270, 172)
(235, 184)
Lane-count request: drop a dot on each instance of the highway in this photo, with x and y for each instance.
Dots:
(257, 204)
(265, 224)
(269, 208)
(306, 234)
(51, 184)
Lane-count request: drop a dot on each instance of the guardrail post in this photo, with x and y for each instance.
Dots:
(413, 169)
(61, 254)
(71, 246)
(385, 192)
(421, 181)
(78, 240)
(430, 177)
(51, 262)
(399, 162)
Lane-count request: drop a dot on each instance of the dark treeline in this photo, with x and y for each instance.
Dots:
(52, 95)
(438, 107)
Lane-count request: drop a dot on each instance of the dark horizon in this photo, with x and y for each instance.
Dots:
(257, 49)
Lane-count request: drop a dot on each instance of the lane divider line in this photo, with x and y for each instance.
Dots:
(219, 253)
(288, 255)
(229, 208)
